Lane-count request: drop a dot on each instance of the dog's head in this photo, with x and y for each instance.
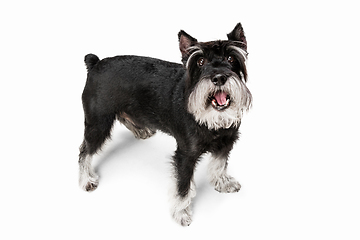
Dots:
(216, 79)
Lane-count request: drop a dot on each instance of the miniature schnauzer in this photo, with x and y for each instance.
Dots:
(200, 103)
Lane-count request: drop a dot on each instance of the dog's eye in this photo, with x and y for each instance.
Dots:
(231, 59)
(200, 62)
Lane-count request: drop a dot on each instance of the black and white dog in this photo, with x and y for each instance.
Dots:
(199, 103)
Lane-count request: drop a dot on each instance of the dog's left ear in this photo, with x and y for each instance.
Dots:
(185, 41)
(238, 35)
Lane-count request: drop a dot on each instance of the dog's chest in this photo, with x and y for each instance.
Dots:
(221, 140)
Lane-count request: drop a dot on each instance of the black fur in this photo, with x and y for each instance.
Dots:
(91, 60)
(238, 35)
(148, 94)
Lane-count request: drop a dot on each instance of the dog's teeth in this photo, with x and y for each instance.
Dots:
(214, 103)
(227, 101)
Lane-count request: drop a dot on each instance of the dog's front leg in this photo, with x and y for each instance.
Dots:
(219, 177)
(183, 189)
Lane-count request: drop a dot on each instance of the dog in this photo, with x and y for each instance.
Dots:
(199, 102)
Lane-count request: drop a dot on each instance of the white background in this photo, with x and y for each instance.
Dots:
(298, 157)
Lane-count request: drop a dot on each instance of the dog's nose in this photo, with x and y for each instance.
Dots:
(219, 79)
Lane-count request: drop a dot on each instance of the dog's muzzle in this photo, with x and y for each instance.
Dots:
(219, 105)
(220, 100)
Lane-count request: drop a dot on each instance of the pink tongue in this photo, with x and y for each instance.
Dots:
(220, 98)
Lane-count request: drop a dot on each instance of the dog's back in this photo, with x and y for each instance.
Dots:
(113, 85)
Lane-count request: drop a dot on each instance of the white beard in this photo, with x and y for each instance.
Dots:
(205, 114)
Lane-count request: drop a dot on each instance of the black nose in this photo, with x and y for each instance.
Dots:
(219, 79)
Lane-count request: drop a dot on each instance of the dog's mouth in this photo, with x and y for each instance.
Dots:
(220, 100)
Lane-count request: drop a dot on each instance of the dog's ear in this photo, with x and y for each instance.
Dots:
(185, 41)
(238, 35)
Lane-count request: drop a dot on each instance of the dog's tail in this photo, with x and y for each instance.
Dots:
(91, 60)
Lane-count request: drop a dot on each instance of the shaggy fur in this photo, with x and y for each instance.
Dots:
(200, 103)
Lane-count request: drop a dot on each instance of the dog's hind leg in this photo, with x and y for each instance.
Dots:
(88, 179)
(97, 130)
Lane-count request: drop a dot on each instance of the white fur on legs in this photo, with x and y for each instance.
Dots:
(219, 178)
(180, 206)
(88, 180)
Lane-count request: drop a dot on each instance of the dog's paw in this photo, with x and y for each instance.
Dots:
(183, 217)
(227, 184)
(89, 184)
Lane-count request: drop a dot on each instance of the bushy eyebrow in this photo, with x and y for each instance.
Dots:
(240, 51)
(194, 50)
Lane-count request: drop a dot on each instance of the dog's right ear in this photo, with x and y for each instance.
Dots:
(185, 42)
